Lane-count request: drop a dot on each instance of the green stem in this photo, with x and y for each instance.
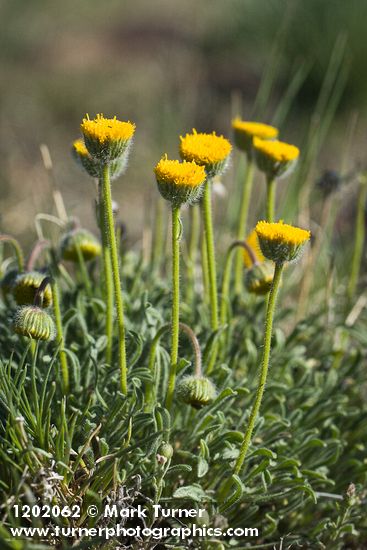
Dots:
(263, 369)
(60, 336)
(270, 199)
(242, 222)
(209, 239)
(205, 271)
(359, 238)
(176, 231)
(112, 245)
(227, 275)
(33, 381)
(17, 250)
(108, 278)
(192, 251)
(151, 387)
(213, 293)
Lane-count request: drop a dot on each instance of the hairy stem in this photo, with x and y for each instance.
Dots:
(270, 199)
(195, 346)
(242, 222)
(60, 336)
(263, 372)
(152, 387)
(175, 316)
(108, 278)
(192, 251)
(112, 245)
(227, 275)
(209, 239)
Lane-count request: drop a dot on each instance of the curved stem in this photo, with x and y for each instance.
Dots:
(176, 230)
(263, 368)
(111, 240)
(150, 395)
(17, 249)
(38, 297)
(48, 218)
(39, 246)
(359, 238)
(242, 222)
(270, 199)
(108, 278)
(60, 336)
(209, 238)
(227, 274)
(195, 346)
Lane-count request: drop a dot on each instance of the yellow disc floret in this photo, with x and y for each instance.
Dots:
(278, 151)
(180, 173)
(107, 129)
(245, 132)
(179, 182)
(281, 242)
(208, 150)
(255, 129)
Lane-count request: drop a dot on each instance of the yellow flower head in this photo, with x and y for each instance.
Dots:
(281, 242)
(179, 182)
(208, 150)
(275, 158)
(106, 138)
(253, 242)
(245, 131)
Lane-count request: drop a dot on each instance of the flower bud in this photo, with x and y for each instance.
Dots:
(164, 453)
(87, 243)
(196, 391)
(179, 182)
(259, 277)
(93, 166)
(281, 242)
(34, 322)
(26, 286)
(107, 139)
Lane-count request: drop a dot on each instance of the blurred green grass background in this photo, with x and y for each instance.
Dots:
(168, 66)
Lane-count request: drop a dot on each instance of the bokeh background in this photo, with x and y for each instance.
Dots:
(169, 66)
